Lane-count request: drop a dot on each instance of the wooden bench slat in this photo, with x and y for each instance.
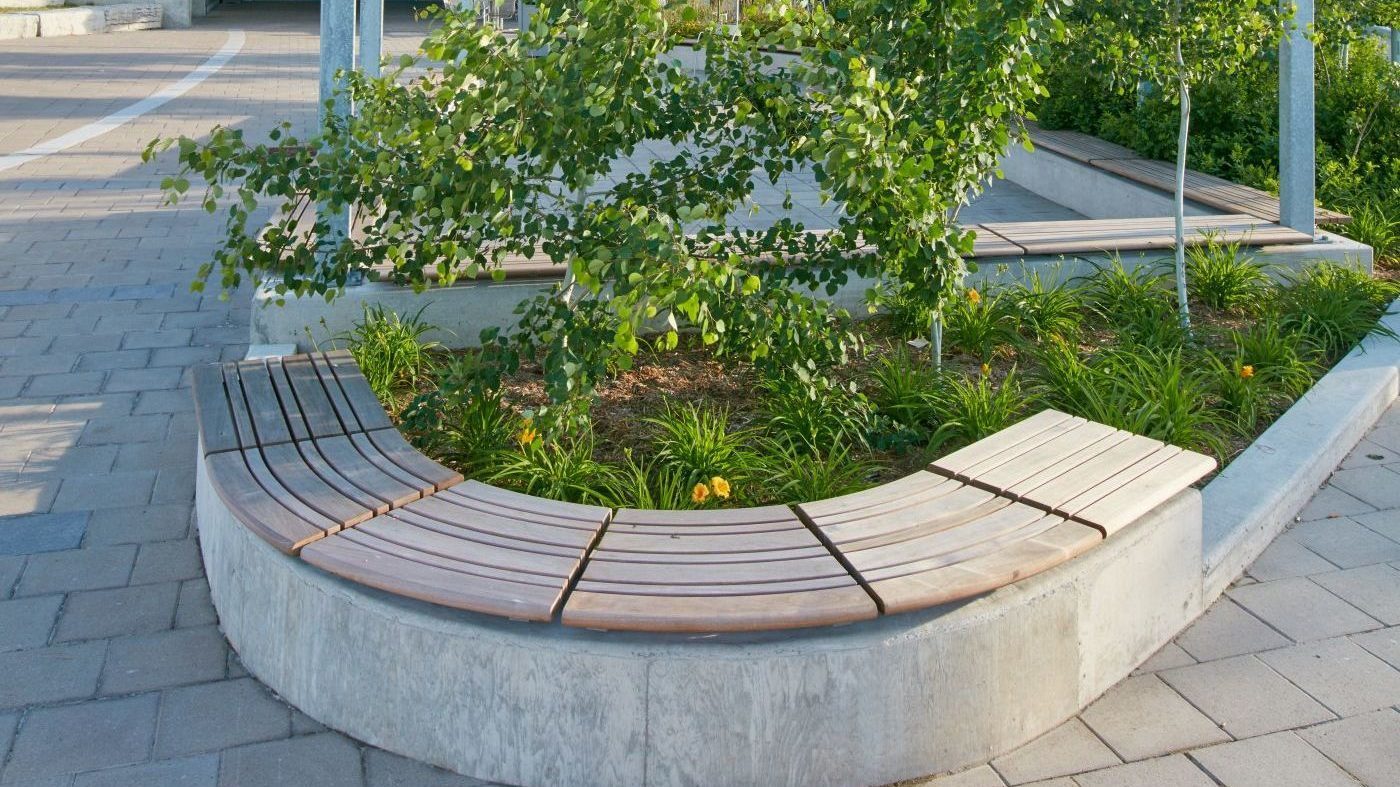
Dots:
(394, 448)
(211, 405)
(291, 469)
(398, 575)
(964, 505)
(704, 519)
(698, 614)
(313, 403)
(505, 498)
(1062, 482)
(916, 487)
(340, 453)
(1000, 472)
(498, 519)
(366, 448)
(1065, 237)
(265, 409)
(531, 540)
(1133, 499)
(987, 572)
(292, 412)
(989, 244)
(679, 574)
(622, 541)
(960, 460)
(542, 567)
(953, 545)
(258, 509)
(1078, 146)
(716, 591)
(238, 407)
(365, 408)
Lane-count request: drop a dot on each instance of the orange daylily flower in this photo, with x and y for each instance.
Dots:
(973, 296)
(721, 487)
(1246, 371)
(700, 493)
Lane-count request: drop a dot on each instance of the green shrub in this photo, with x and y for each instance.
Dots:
(979, 326)
(812, 418)
(797, 476)
(1333, 307)
(470, 433)
(1377, 225)
(969, 410)
(563, 470)
(901, 390)
(1135, 303)
(697, 442)
(649, 484)
(1278, 356)
(1223, 277)
(390, 350)
(1044, 311)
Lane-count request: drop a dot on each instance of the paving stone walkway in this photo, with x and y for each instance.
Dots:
(112, 668)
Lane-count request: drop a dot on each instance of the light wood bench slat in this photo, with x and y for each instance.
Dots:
(953, 545)
(989, 244)
(1084, 148)
(1077, 474)
(999, 472)
(987, 572)
(1139, 496)
(650, 595)
(914, 488)
(965, 504)
(691, 614)
(1066, 237)
(1006, 439)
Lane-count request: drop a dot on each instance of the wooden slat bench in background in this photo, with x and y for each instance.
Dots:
(301, 453)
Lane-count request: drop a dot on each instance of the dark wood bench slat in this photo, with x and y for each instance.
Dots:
(336, 480)
(312, 396)
(393, 447)
(544, 568)
(679, 574)
(474, 494)
(269, 420)
(510, 539)
(211, 405)
(238, 407)
(373, 455)
(242, 482)
(573, 535)
(340, 453)
(291, 470)
(364, 405)
(395, 574)
(698, 614)
(716, 590)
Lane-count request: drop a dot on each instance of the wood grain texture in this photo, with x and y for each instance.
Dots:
(364, 405)
(264, 408)
(1109, 235)
(288, 526)
(211, 407)
(711, 571)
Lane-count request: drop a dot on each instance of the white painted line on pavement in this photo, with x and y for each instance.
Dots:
(97, 128)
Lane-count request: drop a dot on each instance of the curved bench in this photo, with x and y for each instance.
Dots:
(302, 453)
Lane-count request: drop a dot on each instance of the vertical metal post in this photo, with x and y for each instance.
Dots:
(1395, 44)
(1297, 146)
(371, 36)
(337, 54)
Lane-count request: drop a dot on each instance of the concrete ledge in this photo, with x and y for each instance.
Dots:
(1262, 491)
(868, 703)
(18, 26)
(72, 22)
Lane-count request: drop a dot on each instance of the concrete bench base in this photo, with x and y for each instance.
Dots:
(866, 703)
(102, 17)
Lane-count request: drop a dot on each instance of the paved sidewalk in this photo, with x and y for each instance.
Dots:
(1291, 679)
(112, 669)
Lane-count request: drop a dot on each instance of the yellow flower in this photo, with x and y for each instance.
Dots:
(973, 296)
(700, 493)
(986, 370)
(528, 434)
(721, 487)
(1246, 371)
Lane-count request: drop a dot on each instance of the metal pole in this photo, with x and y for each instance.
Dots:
(1297, 136)
(371, 36)
(337, 54)
(1395, 44)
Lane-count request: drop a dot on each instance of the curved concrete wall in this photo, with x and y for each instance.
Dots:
(541, 704)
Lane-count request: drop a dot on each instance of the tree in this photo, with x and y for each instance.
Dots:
(507, 146)
(1174, 45)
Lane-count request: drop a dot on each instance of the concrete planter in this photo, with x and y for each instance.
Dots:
(99, 16)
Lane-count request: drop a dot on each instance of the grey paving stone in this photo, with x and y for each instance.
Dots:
(139, 524)
(72, 460)
(327, 759)
(1270, 761)
(26, 622)
(77, 569)
(1245, 697)
(173, 401)
(1286, 557)
(1331, 502)
(108, 360)
(154, 379)
(305, 725)
(26, 534)
(1376, 485)
(1384, 644)
(8, 722)
(70, 383)
(1173, 771)
(11, 566)
(174, 485)
(980, 776)
(1068, 749)
(99, 614)
(1338, 673)
(49, 363)
(64, 672)
(1374, 590)
(383, 769)
(24, 495)
(1367, 746)
(1227, 630)
(126, 429)
(176, 337)
(1171, 655)
(214, 716)
(83, 737)
(1346, 543)
(87, 343)
(195, 607)
(1301, 609)
(1142, 717)
(1387, 522)
(88, 492)
(165, 561)
(168, 658)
